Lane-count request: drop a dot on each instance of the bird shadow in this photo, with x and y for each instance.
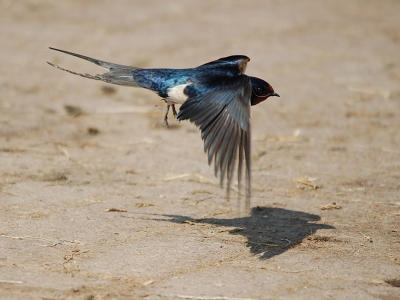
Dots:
(269, 231)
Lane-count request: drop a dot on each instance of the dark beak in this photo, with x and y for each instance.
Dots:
(273, 94)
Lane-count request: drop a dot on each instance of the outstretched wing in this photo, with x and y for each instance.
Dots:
(118, 74)
(222, 113)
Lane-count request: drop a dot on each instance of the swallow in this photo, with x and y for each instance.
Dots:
(215, 96)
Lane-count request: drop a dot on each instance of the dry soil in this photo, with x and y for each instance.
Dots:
(98, 200)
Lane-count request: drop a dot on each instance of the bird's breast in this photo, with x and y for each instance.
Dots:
(176, 94)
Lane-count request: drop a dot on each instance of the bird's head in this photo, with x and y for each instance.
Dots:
(261, 90)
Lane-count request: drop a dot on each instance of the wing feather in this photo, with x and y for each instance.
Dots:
(223, 116)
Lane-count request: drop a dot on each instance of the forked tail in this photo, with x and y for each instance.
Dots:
(118, 74)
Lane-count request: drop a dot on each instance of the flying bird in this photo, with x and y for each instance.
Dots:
(215, 96)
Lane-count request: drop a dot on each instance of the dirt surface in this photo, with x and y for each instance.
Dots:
(99, 201)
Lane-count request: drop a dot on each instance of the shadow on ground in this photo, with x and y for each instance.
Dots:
(269, 230)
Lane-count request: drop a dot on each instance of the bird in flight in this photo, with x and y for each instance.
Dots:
(215, 96)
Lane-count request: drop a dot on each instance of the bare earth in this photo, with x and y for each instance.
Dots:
(99, 201)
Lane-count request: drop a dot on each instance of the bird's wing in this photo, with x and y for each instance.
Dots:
(222, 113)
(118, 74)
(238, 61)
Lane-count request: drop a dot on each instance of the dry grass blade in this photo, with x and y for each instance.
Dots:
(197, 178)
(10, 281)
(264, 244)
(64, 151)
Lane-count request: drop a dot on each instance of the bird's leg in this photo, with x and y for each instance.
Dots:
(174, 110)
(166, 116)
(167, 111)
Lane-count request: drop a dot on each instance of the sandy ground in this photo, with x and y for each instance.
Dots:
(102, 202)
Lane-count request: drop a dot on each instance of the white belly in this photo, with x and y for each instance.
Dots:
(176, 94)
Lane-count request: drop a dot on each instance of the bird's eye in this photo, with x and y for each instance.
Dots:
(258, 90)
